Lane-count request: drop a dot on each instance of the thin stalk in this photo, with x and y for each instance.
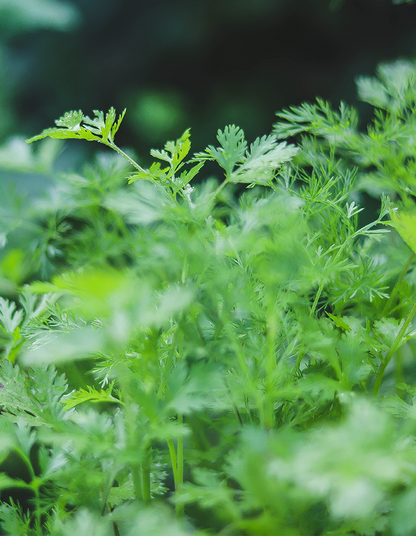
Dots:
(106, 491)
(131, 418)
(146, 477)
(173, 461)
(176, 460)
(239, 352)
(180, 507)
(27, 462)
(316, 300)
(398, 372)
(38, 513)
(268, 417)
(35, 487)
(220, 188)
(393, 348)
(126, 156)
(397, 284)
(235, 408)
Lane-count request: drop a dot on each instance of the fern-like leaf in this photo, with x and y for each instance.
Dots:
(90, 395)
(79, 126)
(231, 151)
(33, 398)
(264, 158)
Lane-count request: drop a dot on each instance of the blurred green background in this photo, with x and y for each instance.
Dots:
(184, 63)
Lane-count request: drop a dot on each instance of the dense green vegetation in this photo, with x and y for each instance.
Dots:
(234, 356)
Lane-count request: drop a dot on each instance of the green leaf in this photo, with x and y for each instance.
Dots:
(56, 348)
(155, 173)
(86, 522)
(372, 91)
(186, 176)
(194, 389)
(174, 154)
(390, 91)
(405, 224)
(33, 397)
(106, 127)
(351, 466)
(88, 395)
(339, 128)
(231, 151)
(7, 482)
(10, 317)
(339, 322)
(122, 493)
(52, 461)
(71, 120)
(174, 151)
(77, 126)
(13, 521)
(260, 163)
(25, 436)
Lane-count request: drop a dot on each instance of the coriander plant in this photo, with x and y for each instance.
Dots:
(228, 356)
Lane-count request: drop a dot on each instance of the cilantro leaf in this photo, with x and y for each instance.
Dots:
(231, 151)
(76, 125)
(32, 397)
(260, 163)
(174, 153)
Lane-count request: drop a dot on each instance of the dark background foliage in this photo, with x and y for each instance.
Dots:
(181, 63)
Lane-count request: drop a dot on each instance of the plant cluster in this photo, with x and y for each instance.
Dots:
(227, 357)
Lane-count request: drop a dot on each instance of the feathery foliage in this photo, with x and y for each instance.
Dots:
(179, 358)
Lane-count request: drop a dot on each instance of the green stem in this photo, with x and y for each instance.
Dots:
(146, 464)
(38, 513)
(137, 481)
(106, 491)
(268, 417)
(397, 284)
(27, 462)
(316, 300)
(398, 373)
(126, 156)
(176, 460)
(220, 188)
(173, 461)
(234, 405)
(35, 486)
(393, 348)
(180, 507)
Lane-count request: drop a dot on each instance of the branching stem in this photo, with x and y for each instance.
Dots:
(125, 155)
